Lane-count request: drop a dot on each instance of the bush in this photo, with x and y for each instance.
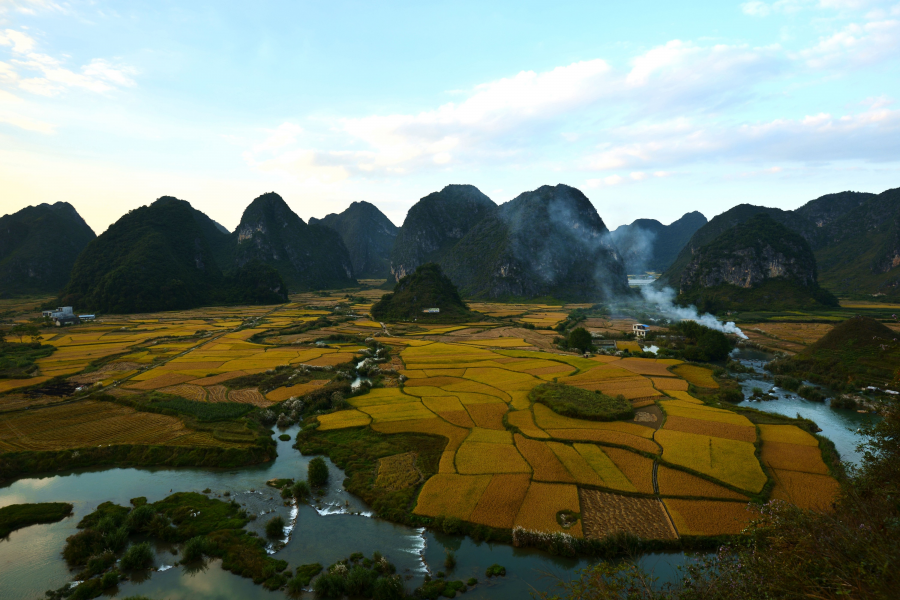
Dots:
(304, 575)
(300, 490)
(388, 588)
(195, 548)
(495, 570)
(577, 403)
(284, 437)
(450, 561)
(109, 579)
(330, 585)
(317, 473)
(810, 393)
(275, 527)
(138, 556)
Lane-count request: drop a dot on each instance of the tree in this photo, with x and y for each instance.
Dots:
(317, 474)
(3, 334)
(580, 338)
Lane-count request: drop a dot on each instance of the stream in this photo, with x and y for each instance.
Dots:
(332, 529)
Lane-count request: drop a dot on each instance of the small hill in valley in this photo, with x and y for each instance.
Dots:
(758, 264)
(38, 248)
(858, 352)
(546, 243)
(424, 289)
(369, 236)
(308, 257)
(161, 257)
(648, 245)
(435, 224)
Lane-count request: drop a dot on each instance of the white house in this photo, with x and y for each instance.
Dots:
(640, 330)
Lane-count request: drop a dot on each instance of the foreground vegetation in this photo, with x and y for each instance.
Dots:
(17, 516)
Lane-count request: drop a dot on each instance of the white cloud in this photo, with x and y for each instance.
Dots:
(24, 122)
(856, 44)
(21, 42)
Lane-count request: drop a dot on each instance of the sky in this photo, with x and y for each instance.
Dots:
(651, 108)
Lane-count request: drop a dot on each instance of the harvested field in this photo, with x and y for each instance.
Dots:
(699, 376)
(489, 416)
(646, 366)
(476, 458)
(575, 464)
(248, 396)
(163, 379)
(544, 463)
(673, 482)
(666, 384)
(712, 428)
(283, 393)
(709, 517)
(501, 501)
(793, 457)
(451, 495)
(397, 472)
(541, 505)
(605, 437)
(805, 490)
(217, 393)
(217, 379)
(638, 469)
(186, 390)
(730, 461)
(343, 419)
(606, 514)
(523, 420)
(787, 434)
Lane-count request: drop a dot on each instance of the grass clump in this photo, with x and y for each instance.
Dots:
(302, 577)
(275, 526)
(495, 570)
(138, 556)
(16, 516)
(317, 473)
(577, 403)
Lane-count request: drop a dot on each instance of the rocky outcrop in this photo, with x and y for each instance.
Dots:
(548, 242)
(308, 257)
(38, 247)
(368, 235)
(435, 224)
(757, 254)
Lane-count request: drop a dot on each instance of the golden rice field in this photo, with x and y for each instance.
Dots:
(678, 483)
(730, 461)
(806, 490)
(542, 503)
(397, 472)
(500, 503)
(699, 376)
(709, 517)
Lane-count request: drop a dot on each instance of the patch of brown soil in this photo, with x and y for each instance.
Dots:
(606, 514)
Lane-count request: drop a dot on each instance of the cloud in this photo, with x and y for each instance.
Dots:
(24, 122)
(855, 45)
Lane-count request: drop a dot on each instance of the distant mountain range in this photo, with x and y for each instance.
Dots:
(38, 246)
(648, 245)
(369, 237)
(550, 242)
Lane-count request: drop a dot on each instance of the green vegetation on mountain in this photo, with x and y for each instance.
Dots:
(757, 264)
(435, 224)
(857, 353)
(17, 516)
(158, 257)
(548, 242)
(368, 235)
(38, 247)
(426, 287)
(308, 257)
(648, 245)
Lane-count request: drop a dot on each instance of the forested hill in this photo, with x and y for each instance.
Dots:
(435, 224)
(38, 247)
(756, 265)
(159, 257)
(648, 245)
(854, 236)
(425, 288)
(308, 257)
(368, 235)
(548, 242)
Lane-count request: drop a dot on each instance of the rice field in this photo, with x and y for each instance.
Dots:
(476, 458)
(806, 490)
(451, 495)
(501, 501)
(793, 457)
(730, 461)
(711, 428)
(544, 463)
(543, 502)
(709, 517)
(673, 482)
(699, 376)
(397, 472)
(606, 514)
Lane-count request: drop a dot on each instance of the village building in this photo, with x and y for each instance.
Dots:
(640, 330)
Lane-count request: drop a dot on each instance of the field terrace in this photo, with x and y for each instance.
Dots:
(680, 468)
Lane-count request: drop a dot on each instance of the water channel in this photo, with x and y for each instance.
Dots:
(338, 525)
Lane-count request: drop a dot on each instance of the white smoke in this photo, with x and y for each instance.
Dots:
(664, 300)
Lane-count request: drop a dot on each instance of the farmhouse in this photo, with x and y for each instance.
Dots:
(63, 315)
(640, 330)
(431, 311)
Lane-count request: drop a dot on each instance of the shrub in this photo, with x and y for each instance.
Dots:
(117, 539)
(275, 526)
(577, 403)
(317, 473)
(810, 393)
(495, 570)
(138, 556)
(109, 579)
(195, 548)
(330, 585)
(284, 437)
(300, 490)
(580, 338)
(450, 561)
(360, 581)
(388, 588)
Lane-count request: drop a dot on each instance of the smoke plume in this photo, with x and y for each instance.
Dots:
(664, 301)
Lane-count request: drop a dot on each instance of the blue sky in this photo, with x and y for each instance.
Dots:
(651, 108)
